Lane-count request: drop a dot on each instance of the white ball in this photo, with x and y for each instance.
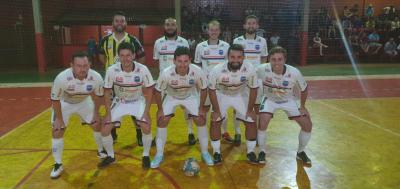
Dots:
(191, 167)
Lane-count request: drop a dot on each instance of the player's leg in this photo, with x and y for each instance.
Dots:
(146, 138)
(251, 141)
(215, 136)
(139, 137)
(266, 111)
(189, 123)
(236, 124)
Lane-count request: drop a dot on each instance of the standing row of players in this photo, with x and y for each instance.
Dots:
(232, 76)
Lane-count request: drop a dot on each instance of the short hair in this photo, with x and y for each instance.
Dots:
(236, 47)
(278, 49)
(214, 23)
(126, 45)
(170, 18)
(79, 54)
(119, 13)
(181, 51)
(252, 16)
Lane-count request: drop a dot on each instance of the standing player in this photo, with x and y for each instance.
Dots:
(70, 94)
(132, 84)
(233, 84)
(255, 51)
(108, 53)
(182, 84)
(209, 54)
(279, 81)
(164, 49)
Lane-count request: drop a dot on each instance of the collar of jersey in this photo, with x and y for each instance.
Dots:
(133, 69)
(126, 35)
(166, 38)
(284, 69)
(208, 42)
(244, 36)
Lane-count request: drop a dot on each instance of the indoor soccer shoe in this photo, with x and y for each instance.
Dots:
(102, 154)
(146, 162)
(207, 159)
(57, 171)
(238, 140)
(156, 161)
(252, 158)
(139, 137)
(227, 137)
(217, 158)
(261, 157)
(106, 161)
(191, 139)
(303, 157)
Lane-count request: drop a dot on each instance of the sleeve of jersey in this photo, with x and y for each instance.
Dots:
(156, 55)
(56, 90)
(161, 83)
(252, 79)
(108, 80)
(264, 51)
(187, 44)
(99, 91)
(101, 46)
(139, 48)
(212, 80)
(148, 79)
(300, 80)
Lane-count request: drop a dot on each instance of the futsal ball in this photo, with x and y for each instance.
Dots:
(191, 167)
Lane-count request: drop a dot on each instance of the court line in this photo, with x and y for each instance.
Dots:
(369, 123)
(25, 123)
(25, 178)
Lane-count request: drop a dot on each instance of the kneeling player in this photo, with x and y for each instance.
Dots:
(183, 84)
(133, 86)
(279, 81)
(70, 94)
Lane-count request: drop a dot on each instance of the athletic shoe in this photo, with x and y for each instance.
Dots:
(261, 157)
(139, 137)
(146, 162)
(207, 159)
(101, 155)
(238, 139)
(227, 137)
(217, 158)
(303, 157)
(57, 171)
(252, 158)
(156, 161)
(106, 161)
(191, 139)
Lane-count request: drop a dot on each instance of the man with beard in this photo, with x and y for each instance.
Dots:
(255, 53)
(108, 54)
(164, 49)
(233, 84)
(209, 54)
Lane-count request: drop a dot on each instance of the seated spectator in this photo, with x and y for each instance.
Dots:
(390, 48)
(274, 39)
(369, 11)
(347, 14)
(373, 42)
(370, 24)
(318, 44)
(395, 24)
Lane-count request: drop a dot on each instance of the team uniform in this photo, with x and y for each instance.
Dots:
(181, 90)
(254, 50)
(210, 56)
(73, 94)
(164, 50)
(109, 47)
(233, 88)
(279, 89)
(127, 86)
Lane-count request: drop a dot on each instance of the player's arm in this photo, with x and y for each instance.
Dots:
(253, 85)
(156, 56)
(264, 53)
(102, 56)
(304, 92)
(212, 82)
(160, 86)
(56, 92)
(303, 98)
(97, 97)
(108, 85)
(141, 58)
(148, 89)
(197, 56)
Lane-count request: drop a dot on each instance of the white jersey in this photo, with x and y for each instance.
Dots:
(280, 87)
(182, 87)
(211, 55)
(128, 85)
(254, 49)
(233, 83)
(164, 50)
(72, 90)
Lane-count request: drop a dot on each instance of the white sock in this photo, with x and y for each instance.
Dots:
(108, 145)
(224, 125)
(189, 124)
(236, 124)
(202, 134)
(216, 145)
(161, 140)
(57, 145)
(262, 140)
(250, 145)
(146, 138)
(98, 138)
(304, 137)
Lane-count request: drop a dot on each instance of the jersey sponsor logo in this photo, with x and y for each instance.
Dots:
(164, 47)
(257, 47)
(137, 78)
(89, 87)
(69, 78)
(119, 79)
(71, 88)
(221, 52)
(225, 79)
(285, 83)
(243, 79)
(191, 81)
(207, 52)
(174, 82)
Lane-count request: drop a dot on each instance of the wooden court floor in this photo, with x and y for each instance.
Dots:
(355, 144)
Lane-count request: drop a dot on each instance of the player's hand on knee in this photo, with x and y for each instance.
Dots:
(202, 112)
(107, 119)
(160, 114)
(251, 114)
(58, 124)
(146, 118)
(95, 120)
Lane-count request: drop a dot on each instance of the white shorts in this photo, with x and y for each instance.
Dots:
(290, 107)
(191, 105)
(84, 109)
(135, 108)
(260, 92)
(238, 102)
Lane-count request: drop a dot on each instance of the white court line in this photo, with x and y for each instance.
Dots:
(359, 118)
(25, 123)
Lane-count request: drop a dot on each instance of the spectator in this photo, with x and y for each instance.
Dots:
(369, 11)
(373, 42)
(370, 24)
(347, 14)
(390, 48)
(395, 24)
(318, 44)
